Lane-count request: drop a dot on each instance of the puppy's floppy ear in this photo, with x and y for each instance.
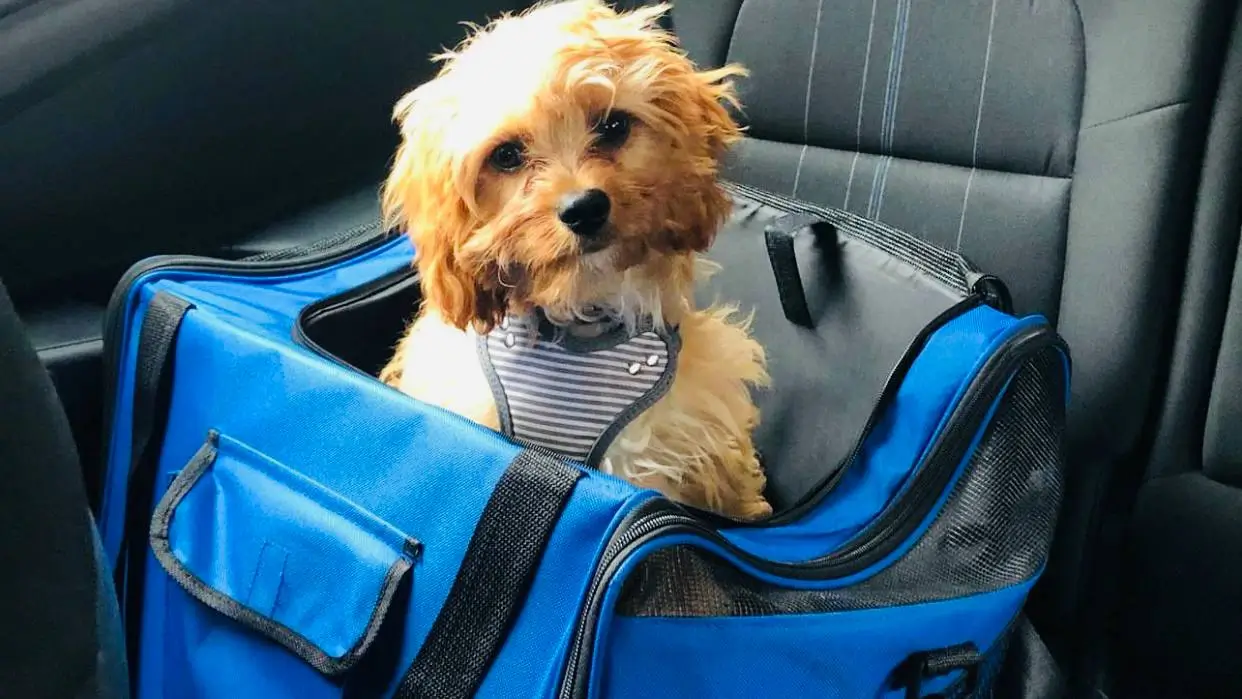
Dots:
(714, 91)
(701, 105)
(426, 197)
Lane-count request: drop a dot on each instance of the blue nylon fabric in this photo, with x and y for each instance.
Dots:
(278, 543)
(265, 304)
(603, 637)
(842, 655)
(250, 321)
(321, 459)
(426, 473)
(534, 653)
(934, 383)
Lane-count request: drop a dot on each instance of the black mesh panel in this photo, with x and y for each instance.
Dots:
(993, 532)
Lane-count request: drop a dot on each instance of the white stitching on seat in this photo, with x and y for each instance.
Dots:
(974, 153)
(862, 92)
(806, 112)
(798, 171)
(888, 127)
(873, 196)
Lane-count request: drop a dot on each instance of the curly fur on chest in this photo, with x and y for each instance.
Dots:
(693, 444)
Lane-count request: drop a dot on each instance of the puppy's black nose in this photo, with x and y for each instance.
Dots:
(585, 213)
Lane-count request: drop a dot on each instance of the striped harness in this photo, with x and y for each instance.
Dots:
(571, 394)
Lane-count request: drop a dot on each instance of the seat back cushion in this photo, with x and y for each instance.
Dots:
(1055, 143)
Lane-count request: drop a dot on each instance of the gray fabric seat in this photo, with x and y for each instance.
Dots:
(1055, 143)
(1181, 611)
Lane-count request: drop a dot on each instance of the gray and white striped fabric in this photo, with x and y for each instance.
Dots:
(571, 397)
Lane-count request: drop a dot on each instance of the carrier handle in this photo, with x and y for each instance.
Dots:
(936, 663)
(779, 237)
(491, 585)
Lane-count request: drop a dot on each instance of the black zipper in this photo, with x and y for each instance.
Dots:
(331, 243)
(980, 289)
(887, 393)
(653, 517)
(358, 241)
(893, 526)
(814, 496)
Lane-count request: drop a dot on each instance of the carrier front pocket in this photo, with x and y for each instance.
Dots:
(268, 549)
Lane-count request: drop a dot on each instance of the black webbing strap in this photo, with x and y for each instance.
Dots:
(492, 583)
(779, 238)
(919, 667)
(157, 342)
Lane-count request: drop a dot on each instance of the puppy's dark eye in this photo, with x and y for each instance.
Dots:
(612, 131)
(508, 156)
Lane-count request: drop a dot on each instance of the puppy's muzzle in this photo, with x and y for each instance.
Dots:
(585, 213)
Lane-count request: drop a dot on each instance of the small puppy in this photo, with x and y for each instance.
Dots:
(558, 178)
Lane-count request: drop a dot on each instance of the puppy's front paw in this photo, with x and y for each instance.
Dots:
(746, 481)
(390, 375)
(750, 510)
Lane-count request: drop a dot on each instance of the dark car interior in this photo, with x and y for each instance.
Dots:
(1088, 152)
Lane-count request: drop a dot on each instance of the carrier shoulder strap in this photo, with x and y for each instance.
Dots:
(157, 342)
(494, 579)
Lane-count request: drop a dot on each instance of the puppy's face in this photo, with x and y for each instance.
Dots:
(565, 158)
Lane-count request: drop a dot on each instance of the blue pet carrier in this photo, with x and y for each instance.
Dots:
(284, 525)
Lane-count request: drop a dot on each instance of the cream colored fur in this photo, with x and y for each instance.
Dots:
(694, 444)
(539, 89)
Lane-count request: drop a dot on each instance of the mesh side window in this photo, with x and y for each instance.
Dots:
(994, 530)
